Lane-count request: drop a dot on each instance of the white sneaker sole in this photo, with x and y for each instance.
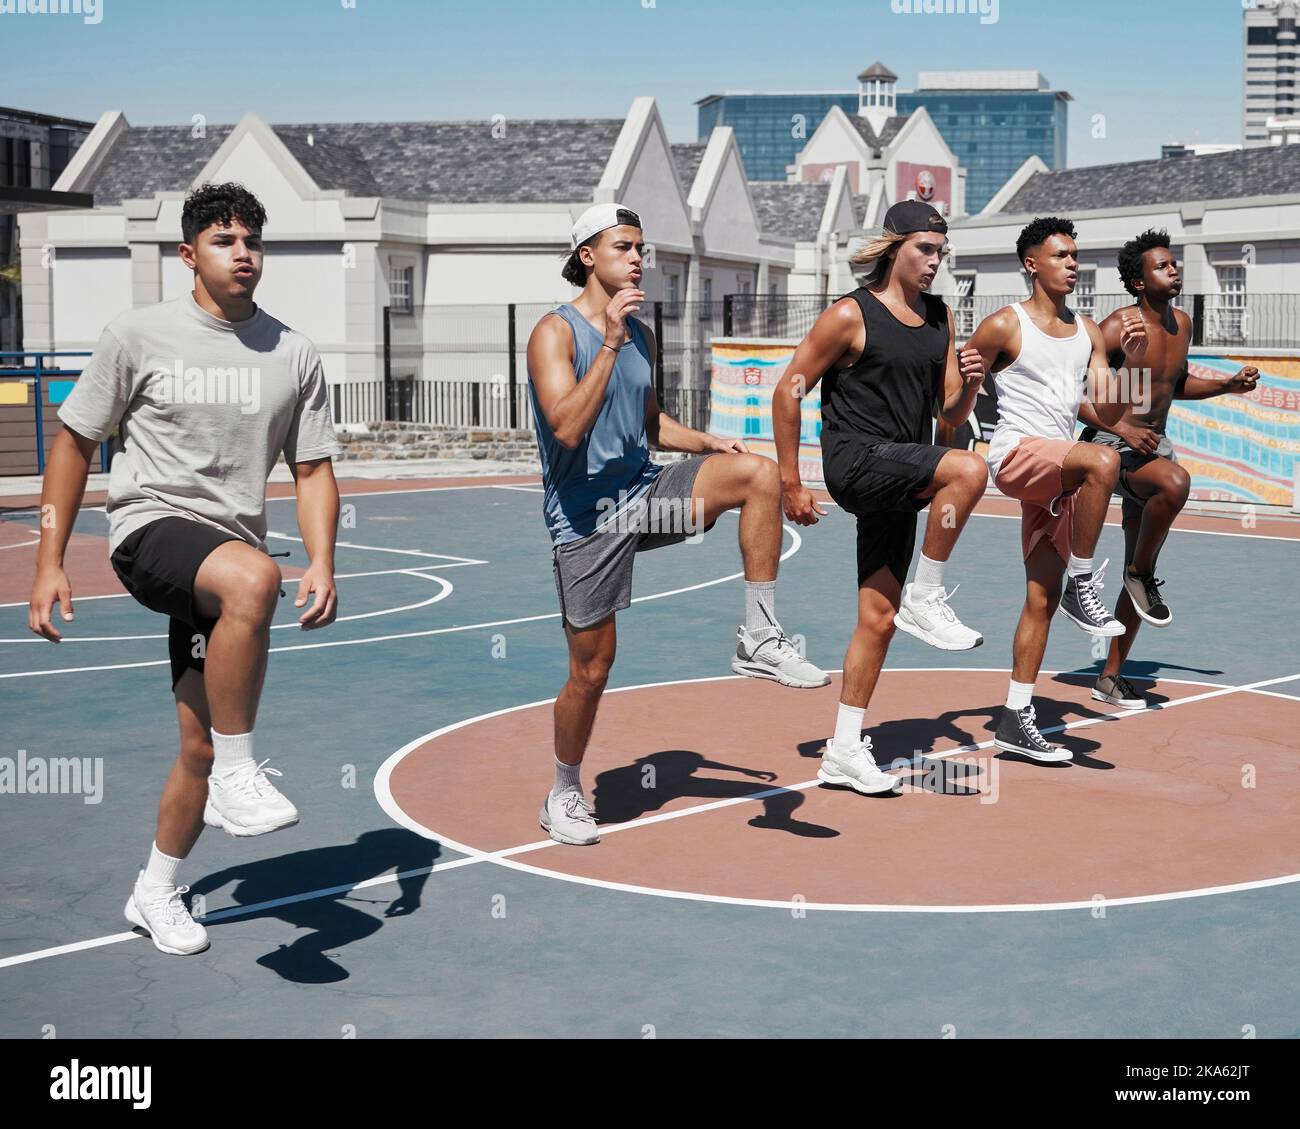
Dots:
(1115, 700)
(839, 780)
(567, 840)
(1104, 632)
(1033, 754)
(136, 918)
(760, 670)
(1145, 616)
(919, 632)
(213, 818)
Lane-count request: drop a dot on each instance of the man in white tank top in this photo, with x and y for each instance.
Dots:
(1045, 360)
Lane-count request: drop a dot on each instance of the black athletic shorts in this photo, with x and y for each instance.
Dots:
(157, 564)
(878, 482)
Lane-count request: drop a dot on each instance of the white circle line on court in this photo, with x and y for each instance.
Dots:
(446, 590)
(795, 542)
(386, 800)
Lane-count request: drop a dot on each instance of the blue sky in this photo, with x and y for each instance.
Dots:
(1156, 69)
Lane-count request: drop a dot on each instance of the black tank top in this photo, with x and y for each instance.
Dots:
(888, 394)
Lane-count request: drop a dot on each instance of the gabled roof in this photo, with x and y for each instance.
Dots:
(878, 141)
(792, 210)
(1267, 171)
(686, 160)
(436, 162)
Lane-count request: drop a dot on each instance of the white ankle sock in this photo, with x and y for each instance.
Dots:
(230, 751)
(848, 726)
(929, 576)
(162, 869)
(566, 777)
(1079, 566)
(760, 604)
(1020, 695)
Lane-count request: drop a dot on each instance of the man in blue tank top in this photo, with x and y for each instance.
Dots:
(589, 369)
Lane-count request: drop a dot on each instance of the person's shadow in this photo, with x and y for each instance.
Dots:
(631, 791)
(327, 876)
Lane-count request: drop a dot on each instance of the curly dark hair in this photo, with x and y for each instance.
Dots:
(1132, 254)
(220, 204)
(1040, 231)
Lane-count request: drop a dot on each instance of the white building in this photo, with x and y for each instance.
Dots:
(442, 223)
(1269, 67)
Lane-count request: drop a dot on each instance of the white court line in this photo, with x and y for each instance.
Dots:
(473, 855)
(20, 545)
(412, 570)
(796, 542)
(381, 549)
(385, 798)
(525, 489)
(446, 591)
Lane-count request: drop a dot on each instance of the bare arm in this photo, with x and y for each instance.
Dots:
(996, 338)
(830, 341)
(962, 377)
(318, 519)
(1197, 388)
(571, 405)
(64, 485)
(1106, 391)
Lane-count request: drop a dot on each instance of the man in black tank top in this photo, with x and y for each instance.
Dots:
(887, 359)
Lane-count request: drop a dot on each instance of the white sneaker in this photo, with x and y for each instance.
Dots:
(856, 768)
(769, 653)
(568, 818)
(932, 621)
(244, 802)
(159, 911)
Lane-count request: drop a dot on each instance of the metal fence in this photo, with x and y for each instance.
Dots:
(466, 365)
(32, 385)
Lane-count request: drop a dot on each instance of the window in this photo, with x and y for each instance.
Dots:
(706, 303)
(963, 312)
(1225, 311)
(401, 289)
(672, 296)
(1085, 292)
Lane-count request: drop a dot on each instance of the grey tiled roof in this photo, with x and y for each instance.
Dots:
(860, 202)
(792, 210)
(154, 158)
(686, 159)
(878, 141)
(438, 162)
(1265, 171)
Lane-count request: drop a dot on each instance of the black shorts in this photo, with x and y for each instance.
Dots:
(157, 564)
(1129, 461)
(878, 482)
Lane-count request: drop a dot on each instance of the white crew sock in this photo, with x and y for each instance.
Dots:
(1020, 695)
(1079, 566)
(162, 869)
(231, 751)
(848, 726)
(929, 577)
(760, 604)
(566, 777)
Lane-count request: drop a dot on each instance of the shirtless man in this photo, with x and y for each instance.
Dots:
(1152, 484)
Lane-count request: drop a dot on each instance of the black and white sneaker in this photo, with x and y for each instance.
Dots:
(1017, 733)
(1081, 603)
(1144, 591)
(1116, 690)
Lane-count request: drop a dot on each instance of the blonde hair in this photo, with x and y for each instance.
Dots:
(874, 255)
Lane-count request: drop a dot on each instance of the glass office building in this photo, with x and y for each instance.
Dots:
(994, 121)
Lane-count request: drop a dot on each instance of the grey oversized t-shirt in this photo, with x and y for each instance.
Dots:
(204, 408)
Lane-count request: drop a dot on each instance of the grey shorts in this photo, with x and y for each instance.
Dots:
(593, 575)
(1129, 461)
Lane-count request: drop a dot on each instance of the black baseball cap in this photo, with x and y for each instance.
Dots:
(908, 216)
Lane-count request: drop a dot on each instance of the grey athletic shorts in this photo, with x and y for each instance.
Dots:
(593, 575)
(1129, 461)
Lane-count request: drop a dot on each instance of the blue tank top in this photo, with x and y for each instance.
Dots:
(586, 486)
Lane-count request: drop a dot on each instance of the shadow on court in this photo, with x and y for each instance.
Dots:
(631, 791)
(332, 924)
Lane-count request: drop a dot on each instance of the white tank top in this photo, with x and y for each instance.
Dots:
(1039, 393)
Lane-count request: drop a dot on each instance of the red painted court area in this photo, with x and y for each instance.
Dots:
(971, 827)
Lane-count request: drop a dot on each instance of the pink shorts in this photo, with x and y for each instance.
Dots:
(1031, 473)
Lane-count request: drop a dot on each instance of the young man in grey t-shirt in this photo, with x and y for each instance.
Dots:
(205, 392)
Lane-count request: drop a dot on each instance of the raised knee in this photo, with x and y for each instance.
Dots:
(1179, 485)
(255, 590)
(1105, 463)
(763, 475)
(974, 472)
(589, 678)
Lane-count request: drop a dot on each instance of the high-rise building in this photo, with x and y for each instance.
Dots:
(993, 120)
(1269, 69)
